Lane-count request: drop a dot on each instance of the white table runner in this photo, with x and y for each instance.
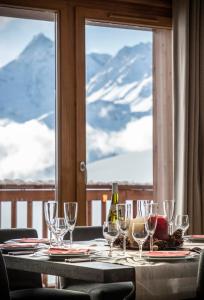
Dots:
(161, 280)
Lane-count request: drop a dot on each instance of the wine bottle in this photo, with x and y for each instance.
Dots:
(112, 215)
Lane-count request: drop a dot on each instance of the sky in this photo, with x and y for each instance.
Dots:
(110, 39)
(16, 33)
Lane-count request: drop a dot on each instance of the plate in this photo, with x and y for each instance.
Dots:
(29, 240)
(61, 254)
(171, 258)
(64, 256)
(18, 247)
(196, 238)
(169, 255)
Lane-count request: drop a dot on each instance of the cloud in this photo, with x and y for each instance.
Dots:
(4, 21)
(27, 150)
(137, 136)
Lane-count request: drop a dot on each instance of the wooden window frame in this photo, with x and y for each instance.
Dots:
(71, 86)
(162, 99)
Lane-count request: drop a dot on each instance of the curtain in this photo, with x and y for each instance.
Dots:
(188, 71)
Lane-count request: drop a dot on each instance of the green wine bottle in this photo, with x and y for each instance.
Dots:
(112, 215)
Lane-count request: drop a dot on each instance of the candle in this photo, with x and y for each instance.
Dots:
(139, 221)
(161, 232)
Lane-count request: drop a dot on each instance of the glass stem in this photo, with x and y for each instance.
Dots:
(151, 242)
(60, 241)
(140, 250)
(71, 238)
(111, 249)
(50, 234)
(124, 244)
(170, 228)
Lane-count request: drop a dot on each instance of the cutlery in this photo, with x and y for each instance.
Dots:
(20, 252)
(196, 249)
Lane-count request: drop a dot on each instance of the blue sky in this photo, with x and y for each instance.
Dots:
(15, 34)
(111, 39)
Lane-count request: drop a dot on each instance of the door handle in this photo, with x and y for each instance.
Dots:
(83, 169)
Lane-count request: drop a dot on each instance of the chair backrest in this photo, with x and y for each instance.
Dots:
(200, 277)
(21, 279)
(16, 233)
(85, 233)
(4, 287)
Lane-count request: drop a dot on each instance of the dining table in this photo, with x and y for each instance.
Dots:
(153, 279)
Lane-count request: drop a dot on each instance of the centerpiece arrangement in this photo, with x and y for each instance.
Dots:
(150, 230)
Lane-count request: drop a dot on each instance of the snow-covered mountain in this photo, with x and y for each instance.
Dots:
(27, 84)
(119, 99)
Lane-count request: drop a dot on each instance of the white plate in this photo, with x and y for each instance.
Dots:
(191, 256)
(69, 254)
(64, 256)
(196, 239)
(100, 240)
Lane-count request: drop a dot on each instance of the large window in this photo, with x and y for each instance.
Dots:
(113, 108)
(119, 105)
(27, 106)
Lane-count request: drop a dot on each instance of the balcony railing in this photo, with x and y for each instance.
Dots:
(24, 203)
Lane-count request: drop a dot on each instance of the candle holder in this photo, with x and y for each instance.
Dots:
(171, 242)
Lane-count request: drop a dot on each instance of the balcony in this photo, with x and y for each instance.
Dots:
(22, 205)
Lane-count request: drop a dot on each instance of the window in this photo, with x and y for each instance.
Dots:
(63, 172)
(118, 105)
(27, 107)
(108, 120)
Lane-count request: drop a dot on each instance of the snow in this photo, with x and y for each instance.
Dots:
(133, 167)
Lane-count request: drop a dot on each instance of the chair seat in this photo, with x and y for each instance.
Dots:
(46, 293)
(103, 291)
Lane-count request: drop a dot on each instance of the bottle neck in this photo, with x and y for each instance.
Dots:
(114, 199)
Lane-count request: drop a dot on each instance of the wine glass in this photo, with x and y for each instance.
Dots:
(141, 207)
(139, 232)
(110, 233)
(169, 212)
(60, 228)
(124, 217)
(151, 223)
(50, 212)
(182, 222)
(70, 213)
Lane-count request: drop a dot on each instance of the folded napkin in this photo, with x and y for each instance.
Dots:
(68, 251)
(197, 236)
(29, 240)
(167, 253)
(18, 245)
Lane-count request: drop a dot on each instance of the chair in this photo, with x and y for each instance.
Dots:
(97, 291)
(21, 279)
(200, 280)
(85, 233)
(36, 293)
